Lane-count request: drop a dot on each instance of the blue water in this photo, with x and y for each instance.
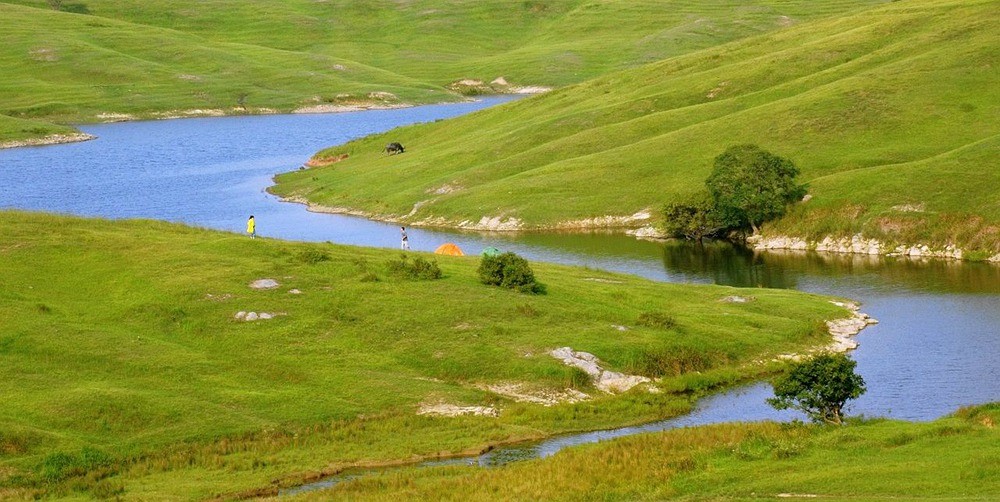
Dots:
(936, 348)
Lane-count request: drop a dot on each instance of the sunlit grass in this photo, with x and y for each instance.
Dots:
(954, 458)
(894, 106)
(123, 367)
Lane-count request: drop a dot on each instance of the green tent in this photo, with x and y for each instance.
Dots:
(491, 251)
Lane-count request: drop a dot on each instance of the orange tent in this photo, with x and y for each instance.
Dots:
(449, 249)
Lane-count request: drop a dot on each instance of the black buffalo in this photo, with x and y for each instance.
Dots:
(394, 148)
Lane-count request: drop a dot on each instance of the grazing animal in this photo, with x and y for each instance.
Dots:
(394, 148)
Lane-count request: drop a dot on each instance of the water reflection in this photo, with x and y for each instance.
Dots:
(724, 263)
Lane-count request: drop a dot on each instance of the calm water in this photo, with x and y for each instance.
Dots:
(936, 348)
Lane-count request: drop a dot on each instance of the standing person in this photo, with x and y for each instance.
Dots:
(405, 245)
(252, 227)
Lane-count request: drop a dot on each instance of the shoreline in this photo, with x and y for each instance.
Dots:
(842, 332)
(856, 245)
(52, 139)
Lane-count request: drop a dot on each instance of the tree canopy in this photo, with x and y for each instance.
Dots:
(750, 185)
(819, 387)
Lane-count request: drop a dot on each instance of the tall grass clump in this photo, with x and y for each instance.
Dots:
(417, 270)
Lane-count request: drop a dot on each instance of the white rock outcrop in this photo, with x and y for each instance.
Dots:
(264, 284)
(856, 244)
(454, 410)
(607, 381)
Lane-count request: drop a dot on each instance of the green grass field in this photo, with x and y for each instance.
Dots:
(123, 370)
(103, 59)
(953, 458)
(892, 106)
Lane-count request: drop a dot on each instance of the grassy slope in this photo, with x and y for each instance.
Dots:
(143, 57)
(954, 458)
(907, 89)
(13, 129)
(81, 66)
(121, 367)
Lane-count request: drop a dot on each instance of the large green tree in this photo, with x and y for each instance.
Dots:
(819, 387)
(750, 186)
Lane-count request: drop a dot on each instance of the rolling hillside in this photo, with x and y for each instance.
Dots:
(895, 106)
(112, 60)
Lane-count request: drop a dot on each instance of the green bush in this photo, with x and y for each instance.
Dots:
(508, 270)
(419, 269)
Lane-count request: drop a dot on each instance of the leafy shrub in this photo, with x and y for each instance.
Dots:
(508, 270)
(419, 269)
(694, 219)
(313, 256)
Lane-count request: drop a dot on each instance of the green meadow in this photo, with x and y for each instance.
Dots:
(952, 458)
(890, 113)
(123, 370)
(94, 60)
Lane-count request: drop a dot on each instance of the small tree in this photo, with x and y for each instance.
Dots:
(819, 387)
(695, 219)
(750, 186)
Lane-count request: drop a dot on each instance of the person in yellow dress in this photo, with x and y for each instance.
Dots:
(252, 227)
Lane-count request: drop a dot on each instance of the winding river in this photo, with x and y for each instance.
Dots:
(936, 348)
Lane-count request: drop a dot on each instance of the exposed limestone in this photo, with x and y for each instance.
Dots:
(383, 96)
(842, 330)
(495, 224)
(856, 244)
(264, 284)
(646, 232)
(453, 410)
(52, 139)
(737, 299)
(607, 381)
(531, 89)
(522, 393)
(255, 316)
(606, 221)
(331, 108)
(115, 117)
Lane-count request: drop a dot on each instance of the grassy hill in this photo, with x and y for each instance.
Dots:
(104, 59)
(123, 370)
(895, 105)
(954, 458)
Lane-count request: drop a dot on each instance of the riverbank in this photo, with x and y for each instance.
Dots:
(53, 139)
(952, 458)
(858, 244)
(167, 388)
